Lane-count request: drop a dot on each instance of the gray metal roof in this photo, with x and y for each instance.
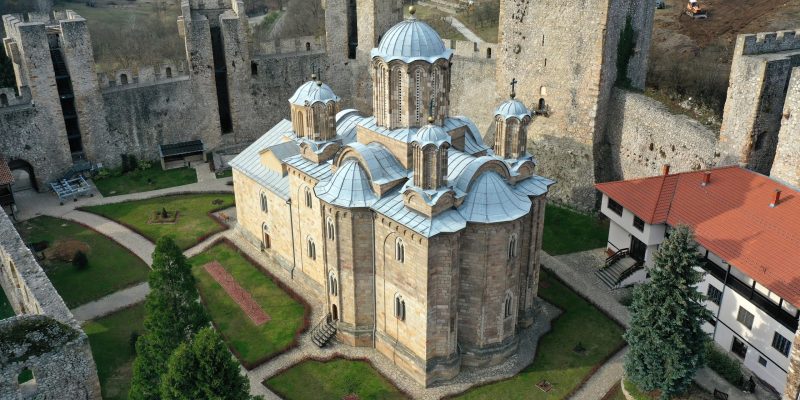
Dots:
(346, 122)
(283, 150)
(534, 186)
(391, 205)
(248, 162)
(382, 166)
(402, 134)
(431, 134)
(319, 172)
(313, 92)
(411, 40)
(473, 142)
(349, 187)
(492, 200)
(513, 108)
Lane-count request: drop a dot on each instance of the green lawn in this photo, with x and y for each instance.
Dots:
(332, 379)
(253, 344)
(145, 180)
(555, 359)
(110, 338)
(111, 266)
(193, 223)
(567, 231)
(5, 306)
(433, 17)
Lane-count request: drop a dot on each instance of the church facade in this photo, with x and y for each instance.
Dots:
(421, 240)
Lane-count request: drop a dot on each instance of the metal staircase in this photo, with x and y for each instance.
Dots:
(617, 268)
(323, 332)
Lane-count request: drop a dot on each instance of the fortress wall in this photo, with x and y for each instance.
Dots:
(787, 158)
(643, 135)
(471, 93)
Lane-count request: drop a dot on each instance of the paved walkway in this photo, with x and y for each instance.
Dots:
(461, 28)
(111, 303)
(129, 239)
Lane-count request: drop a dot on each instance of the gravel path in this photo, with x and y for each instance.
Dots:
(129, 239)
(460, 27)
(111, 303)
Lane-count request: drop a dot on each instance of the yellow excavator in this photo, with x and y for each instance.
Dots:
(694, 10)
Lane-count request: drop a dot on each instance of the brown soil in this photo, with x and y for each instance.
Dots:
(64, 250)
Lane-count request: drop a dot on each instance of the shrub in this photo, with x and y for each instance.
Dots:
(144, 165)
(132, 341)
(80, 261)
(164, 213)
(724, 365)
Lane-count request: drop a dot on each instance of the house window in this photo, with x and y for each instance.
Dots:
(507, 309)
(399, 250)
(762, 361)
(331, 230)
(745, 318)
(264, 205)
(781, 344)
(334, 285)
(311, 249)
(714, 295)
(309, 200)
(638, 223)
(512, 247)
(400, 308)
(739, 348)
(614, 206)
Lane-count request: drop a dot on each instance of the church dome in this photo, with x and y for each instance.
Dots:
(313, 92)
(491, 200)
(431, 134)
(411, 40)
(349, 187)
(513, 108)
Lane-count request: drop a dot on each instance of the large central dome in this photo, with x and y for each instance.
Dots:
(411, 40)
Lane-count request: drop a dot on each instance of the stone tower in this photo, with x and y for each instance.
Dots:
(565, 57)
(511, 128)
(760, 73)
(786, 166)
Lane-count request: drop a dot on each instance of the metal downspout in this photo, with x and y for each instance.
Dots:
(291, 226)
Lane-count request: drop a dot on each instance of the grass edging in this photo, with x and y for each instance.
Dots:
(296, 297)
(331, 357)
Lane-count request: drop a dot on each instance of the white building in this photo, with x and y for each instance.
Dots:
(747, 227)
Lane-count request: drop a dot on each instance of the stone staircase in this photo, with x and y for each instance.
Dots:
(617, 271)
(322, 333)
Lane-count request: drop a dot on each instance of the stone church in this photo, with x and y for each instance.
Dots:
(422, 240)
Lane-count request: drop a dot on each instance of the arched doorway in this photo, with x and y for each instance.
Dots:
(24, 177)
(265, 239)
(334, 313)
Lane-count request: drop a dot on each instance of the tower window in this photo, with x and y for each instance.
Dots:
(169, 72)
(489, 53)
(512, 247)
(3, 99)
(123, 79)
(311, 249)
(331, 230)
(334, 285)
(399, 250)
(264, 205)
(309, 199)
(507, 306)
(400, 308)
(253, 68)
(308, 46)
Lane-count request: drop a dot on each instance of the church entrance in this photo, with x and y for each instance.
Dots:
(266, 241)
(334, 313)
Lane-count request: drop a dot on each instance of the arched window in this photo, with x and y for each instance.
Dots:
(266, 240)
(399, 307)
(309, 199)
(3, 99)
(169, 72)
(311, 250)
(489, 52)
(512, 247)
(333, 284)
(399, 108)
(399, 250)
(418, 95)
(507, 306)
(123, 79)
(308, 46)
(330, 229)
(264, 204)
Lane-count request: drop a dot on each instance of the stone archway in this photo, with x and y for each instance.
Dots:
(24, 176)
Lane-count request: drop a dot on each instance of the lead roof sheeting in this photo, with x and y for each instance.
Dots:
(512, 108)
(391, 205)
(491, 200)
(409, 41)
(349, 187)
(284, 150)
(319, 172)
(248, 161)
(382, 165)
(473, 141)
(312, 92)
(346, 122)
(534, 186)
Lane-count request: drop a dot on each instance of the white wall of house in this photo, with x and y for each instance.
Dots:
(621, 229)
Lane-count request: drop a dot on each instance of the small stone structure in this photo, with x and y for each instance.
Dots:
(43, 338)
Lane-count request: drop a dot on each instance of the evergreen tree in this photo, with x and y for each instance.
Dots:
(666, 342)
(204, 369)
(173, 316)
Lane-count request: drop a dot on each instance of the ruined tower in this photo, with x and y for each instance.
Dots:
(567, 58)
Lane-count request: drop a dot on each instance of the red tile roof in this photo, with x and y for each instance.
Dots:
(6, 178)
(731, 217)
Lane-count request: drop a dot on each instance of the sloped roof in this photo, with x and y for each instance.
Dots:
(6, 177)
(392, 206)
(349, 187)
(346, 122)
(512, 108)
(313, 92)
(248, 161)
(491, 199)
(731, 217)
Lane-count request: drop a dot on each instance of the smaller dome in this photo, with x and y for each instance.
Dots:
(313, 92)
(431, 134)
(513, 108)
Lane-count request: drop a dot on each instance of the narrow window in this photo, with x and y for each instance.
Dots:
(542, 39)
(638, 223)
(331, 230)
(418, 95)
(253, 68)
(312, 249)
(399, 114)
(169, 72)
(614, 206)
(334, 285)
(507, 309)
(123, 79)
(512, 247)
(714, 295)
(781, 344)
(745, 318)
(308, 46)
(309, 201)
(542, 104)
(399, 308)
(489, 52)
(399, 250)
(264, 205)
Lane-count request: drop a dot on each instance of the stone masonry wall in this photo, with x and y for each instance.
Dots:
(471, 93)
(62, 369)
(642, 135)
(787, 158)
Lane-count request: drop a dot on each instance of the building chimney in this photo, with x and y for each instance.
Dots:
(706, 179)
(776, 199)
(665, 169)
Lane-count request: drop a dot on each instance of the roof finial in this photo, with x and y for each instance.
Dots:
(412, 10)
(431, 118)
(513, 87)
(313, 77)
